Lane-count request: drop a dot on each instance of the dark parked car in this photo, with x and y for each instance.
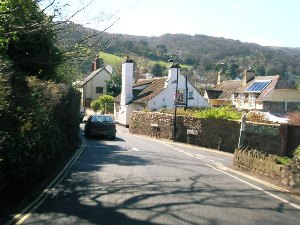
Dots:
(100, 125)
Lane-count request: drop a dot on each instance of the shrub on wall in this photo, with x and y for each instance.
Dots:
(297, 152)
(257, 117)
(225, 112)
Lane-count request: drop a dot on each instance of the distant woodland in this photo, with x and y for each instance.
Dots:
(203, 56)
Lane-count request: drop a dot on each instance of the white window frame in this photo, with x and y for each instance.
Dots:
(242, 100)
(251, 101)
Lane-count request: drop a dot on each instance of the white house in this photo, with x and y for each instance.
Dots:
(93, 86)
(154, 93)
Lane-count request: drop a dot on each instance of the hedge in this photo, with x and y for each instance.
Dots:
(39, 125)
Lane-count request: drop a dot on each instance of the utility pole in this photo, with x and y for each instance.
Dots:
(242, 130)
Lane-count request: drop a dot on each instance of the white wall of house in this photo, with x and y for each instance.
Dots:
(99, 80)
(165, 99)
(123, 115)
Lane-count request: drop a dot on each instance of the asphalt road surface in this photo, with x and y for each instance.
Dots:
(140, 180)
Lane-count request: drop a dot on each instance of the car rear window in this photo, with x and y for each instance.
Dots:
(102, 119)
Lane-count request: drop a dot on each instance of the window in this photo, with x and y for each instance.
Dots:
(251, 102)
(191, 93)
(241, 100)
(99, 90)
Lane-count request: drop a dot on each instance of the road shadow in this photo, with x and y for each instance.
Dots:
(92, 194)
(165, 201)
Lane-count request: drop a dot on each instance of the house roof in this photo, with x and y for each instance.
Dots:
(153, 88)
(273, 81)
(94, 73)
(224, 90)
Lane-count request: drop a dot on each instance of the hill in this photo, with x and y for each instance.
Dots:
(205, 54)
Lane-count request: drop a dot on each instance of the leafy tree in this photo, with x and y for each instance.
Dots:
(29, 38)
(128, 45)
(161, 49)
(260, 70)
(114, 85)
(68, 72)
(189, 61)
(221, 66)
(232, 71)
(105, 103)
(158, 70)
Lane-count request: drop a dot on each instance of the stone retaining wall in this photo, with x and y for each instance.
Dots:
(211, 133)
(256, 161)
(266, 164)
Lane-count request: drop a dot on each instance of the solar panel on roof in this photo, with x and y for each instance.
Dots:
(258, 86)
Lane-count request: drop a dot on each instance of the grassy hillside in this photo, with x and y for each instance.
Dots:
(116, 61)
(110, 59)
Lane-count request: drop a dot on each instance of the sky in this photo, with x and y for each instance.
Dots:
(265, 22)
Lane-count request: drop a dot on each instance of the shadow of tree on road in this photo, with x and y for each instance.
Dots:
(105, 187)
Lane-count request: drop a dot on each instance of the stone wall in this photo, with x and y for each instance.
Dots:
(290, 174)
(140, 123)
(270, 138)
(211, 133)
(257, 161)
(266, 164)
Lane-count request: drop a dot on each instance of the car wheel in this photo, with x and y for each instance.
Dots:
(113, 137)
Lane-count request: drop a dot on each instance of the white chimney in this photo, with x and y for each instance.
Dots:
(172, 73)
(127, 81)
(221, 77)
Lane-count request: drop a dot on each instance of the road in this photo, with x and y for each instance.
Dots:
(139, 180)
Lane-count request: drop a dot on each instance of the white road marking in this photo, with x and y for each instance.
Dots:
(189, 154)
(205, 156)
(25, 213)
(205, 159)
(257, 188)
(221, 168)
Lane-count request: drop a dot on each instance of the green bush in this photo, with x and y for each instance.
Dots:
(297, 152)
(283, 160)
(39, 124)
(105, 103)
(216, 113)
(219, 113)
